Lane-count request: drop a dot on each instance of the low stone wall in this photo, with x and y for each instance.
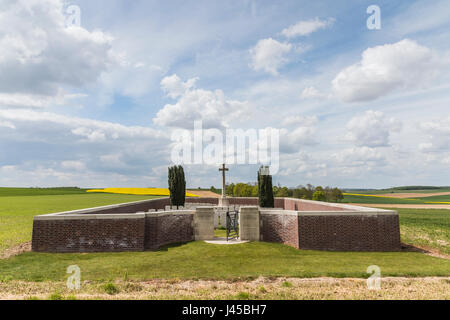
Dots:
(359, 231)
(168, 227)
(136, 226)
(279, 226)
(249, 224)
(93, 233)
(366, 230)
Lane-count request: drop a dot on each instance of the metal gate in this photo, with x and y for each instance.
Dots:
(232, 225)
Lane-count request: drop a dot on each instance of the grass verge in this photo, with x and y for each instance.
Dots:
(258, 289)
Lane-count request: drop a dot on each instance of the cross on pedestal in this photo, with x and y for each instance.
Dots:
(223, 169)
(223, 201)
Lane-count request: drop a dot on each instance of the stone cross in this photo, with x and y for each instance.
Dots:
(223, 169)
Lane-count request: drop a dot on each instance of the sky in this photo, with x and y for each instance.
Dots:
(93, 99)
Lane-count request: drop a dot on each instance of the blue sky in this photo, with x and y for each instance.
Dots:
(94, 105)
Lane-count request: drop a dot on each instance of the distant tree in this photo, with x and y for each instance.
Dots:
(336, 195)
(309, 191)
(229, 190)
(265, 189)
(297, 193)
(282, 192)
(255, 190)
(177, 186)
(319, 196)
(242, 190)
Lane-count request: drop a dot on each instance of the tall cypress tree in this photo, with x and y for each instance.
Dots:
(265, 189)
(177, 186)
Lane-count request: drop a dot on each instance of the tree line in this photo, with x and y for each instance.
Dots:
(308, 192)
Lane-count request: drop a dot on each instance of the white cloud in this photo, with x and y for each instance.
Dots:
(174, 87)
(39, 54)
(269, 55)
(78, 126)
(384, 69)
(212, 107)
(73, 165)
(52, 149)
(299, 120)
(358, 155)
(372, 129)
(7, 124)
(312, 93)
(438, 134)
(304, 28)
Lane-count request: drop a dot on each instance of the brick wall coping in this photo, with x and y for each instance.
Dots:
(111, 206)
(347, 213)
(327, 213)
(167, 213)
(278, 211)
(89, 213)
(61, 216)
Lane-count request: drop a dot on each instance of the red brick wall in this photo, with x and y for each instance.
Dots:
(212, 201)
(161, 230)
(349, 232)
(334, 231)
(280, 228)
(88, 235)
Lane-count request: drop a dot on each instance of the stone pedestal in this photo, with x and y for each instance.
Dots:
(249, 224)
(204, 223)
(224, 202)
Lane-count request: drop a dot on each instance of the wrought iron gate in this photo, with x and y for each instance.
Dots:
(232, 225)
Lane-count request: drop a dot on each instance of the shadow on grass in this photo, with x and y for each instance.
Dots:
(169, 246)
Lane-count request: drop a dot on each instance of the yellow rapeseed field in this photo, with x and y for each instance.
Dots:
(139, 191)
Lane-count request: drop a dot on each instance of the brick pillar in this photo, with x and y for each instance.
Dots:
(204, 223)
(249, 223)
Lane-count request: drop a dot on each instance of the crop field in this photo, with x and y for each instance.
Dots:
(360, 198)
(382, 199)
(400, 190)
(12, 192)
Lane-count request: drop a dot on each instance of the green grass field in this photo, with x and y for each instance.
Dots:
(353, 198)
(399, 190)
(11, 192)
(381, 200)
(427, 228)
(444, 198)
(199, 260)
(16, 212)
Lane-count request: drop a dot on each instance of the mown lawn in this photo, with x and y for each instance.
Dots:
(199, 260)
(428, 228)
(16, 212)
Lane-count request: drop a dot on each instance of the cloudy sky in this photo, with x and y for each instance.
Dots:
(94, 105)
